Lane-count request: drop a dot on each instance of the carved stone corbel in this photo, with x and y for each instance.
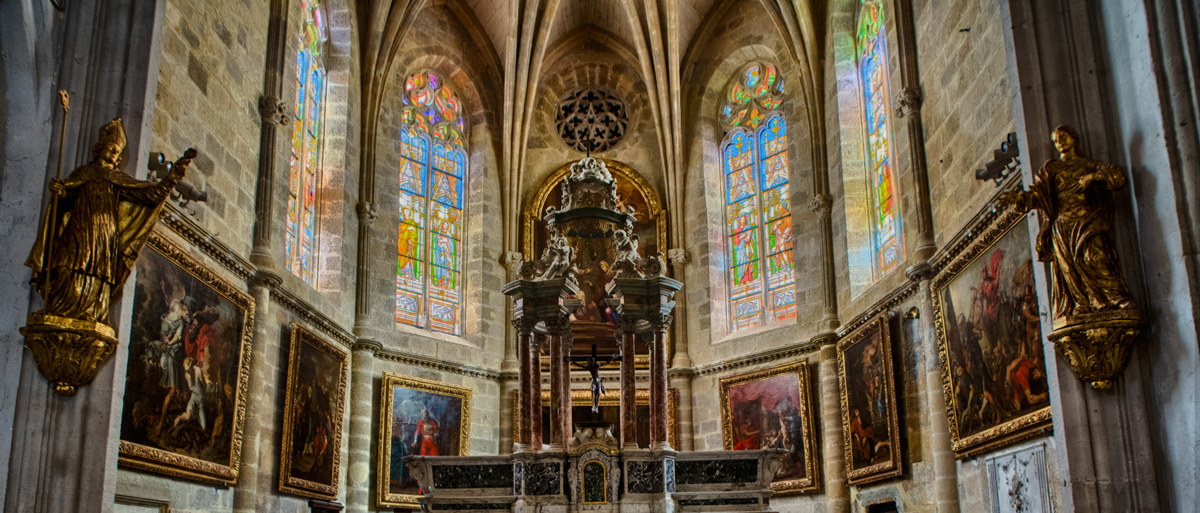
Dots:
(273, 110)
(822, 204)
(908, 101)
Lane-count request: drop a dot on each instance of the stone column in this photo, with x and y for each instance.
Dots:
(628, 392)
(362, 414)
(908, 105)
(273, 110)
(681, 381)
(535, 389)
(567, 421)
(837, 492)
(821, 204)
(557, 400)
(253, 481)
(658, 385)
(1093, 66)
(945, 471)
(524, 397)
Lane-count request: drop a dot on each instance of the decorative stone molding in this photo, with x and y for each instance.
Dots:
(678, 256)
(821, 204)
(909, 101)
(512, 261)
(895, 297)
(366, 344)
(267, 278)
(312, 316)
(920, 271)
(591, 119)
(185, 227)
(433, 363)
(782, 353)
(367, 212)
(273, 110)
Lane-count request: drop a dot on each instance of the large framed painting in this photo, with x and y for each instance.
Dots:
(990, 339)
(310, 456)
(420, 417)
(870, 426)
(772, 409)
(609, 415)
(189, 359)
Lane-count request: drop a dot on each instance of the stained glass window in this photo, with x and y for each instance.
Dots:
(432, 170)
(300, 234)
(758, 220)
(886, 231)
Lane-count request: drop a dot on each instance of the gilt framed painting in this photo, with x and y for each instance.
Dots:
(990, 339)
(870, 427)
(189, 359)
(310, 455)
(417, 417)
(772, 409)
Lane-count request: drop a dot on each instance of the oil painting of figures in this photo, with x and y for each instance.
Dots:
(991, 340)
(421, 418)
(186, 355)
(870, 424)
(312, 429)
(771, 410)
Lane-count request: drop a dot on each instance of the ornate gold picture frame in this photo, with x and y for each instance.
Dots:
(610, 402)
(870, 427)
(189, 361)
(310, 455)
(422, 417)
(772, 409)
(990, 339)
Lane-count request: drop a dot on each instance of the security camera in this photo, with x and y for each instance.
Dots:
(1004, 161)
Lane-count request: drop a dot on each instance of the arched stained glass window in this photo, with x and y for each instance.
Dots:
(886, 230)
(300, 235)
(432, 170)
(758, 214)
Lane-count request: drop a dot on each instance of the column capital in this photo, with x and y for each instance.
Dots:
(821, 204)
(366, 344)
(273, 110)
(908, 101)
(367, 212)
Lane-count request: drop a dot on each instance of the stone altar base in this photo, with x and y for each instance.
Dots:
(594, 475)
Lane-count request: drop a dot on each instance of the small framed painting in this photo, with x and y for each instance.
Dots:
(771, 409)
(310, 457)
(189, 359)
(417, 417)
(990, 339)
(868, 391)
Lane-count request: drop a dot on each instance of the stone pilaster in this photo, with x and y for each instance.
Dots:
(362, 413)
(945, 472)
(837, 492)
(253, 484)
(681, 381)
(64, 449)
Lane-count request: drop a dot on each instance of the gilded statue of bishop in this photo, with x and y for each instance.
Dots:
(98, 220)
(1095, 318)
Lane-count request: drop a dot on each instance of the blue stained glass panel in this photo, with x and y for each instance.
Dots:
(445, 252)
(447, 190)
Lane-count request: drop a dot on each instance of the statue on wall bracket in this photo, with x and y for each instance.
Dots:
(98, 220)
(1096, 322)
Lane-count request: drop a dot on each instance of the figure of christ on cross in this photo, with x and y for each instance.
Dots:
(592, 364)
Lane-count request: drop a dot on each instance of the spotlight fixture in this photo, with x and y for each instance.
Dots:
(1004, 161)
(184, 192)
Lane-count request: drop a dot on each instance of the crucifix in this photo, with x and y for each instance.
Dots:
(592, 364)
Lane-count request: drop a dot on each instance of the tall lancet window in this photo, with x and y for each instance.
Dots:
(300, 237)
(432, 169)
(887, 238)
(758, 213)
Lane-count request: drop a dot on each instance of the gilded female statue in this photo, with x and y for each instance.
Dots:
(1073, 196)
(102, 218)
